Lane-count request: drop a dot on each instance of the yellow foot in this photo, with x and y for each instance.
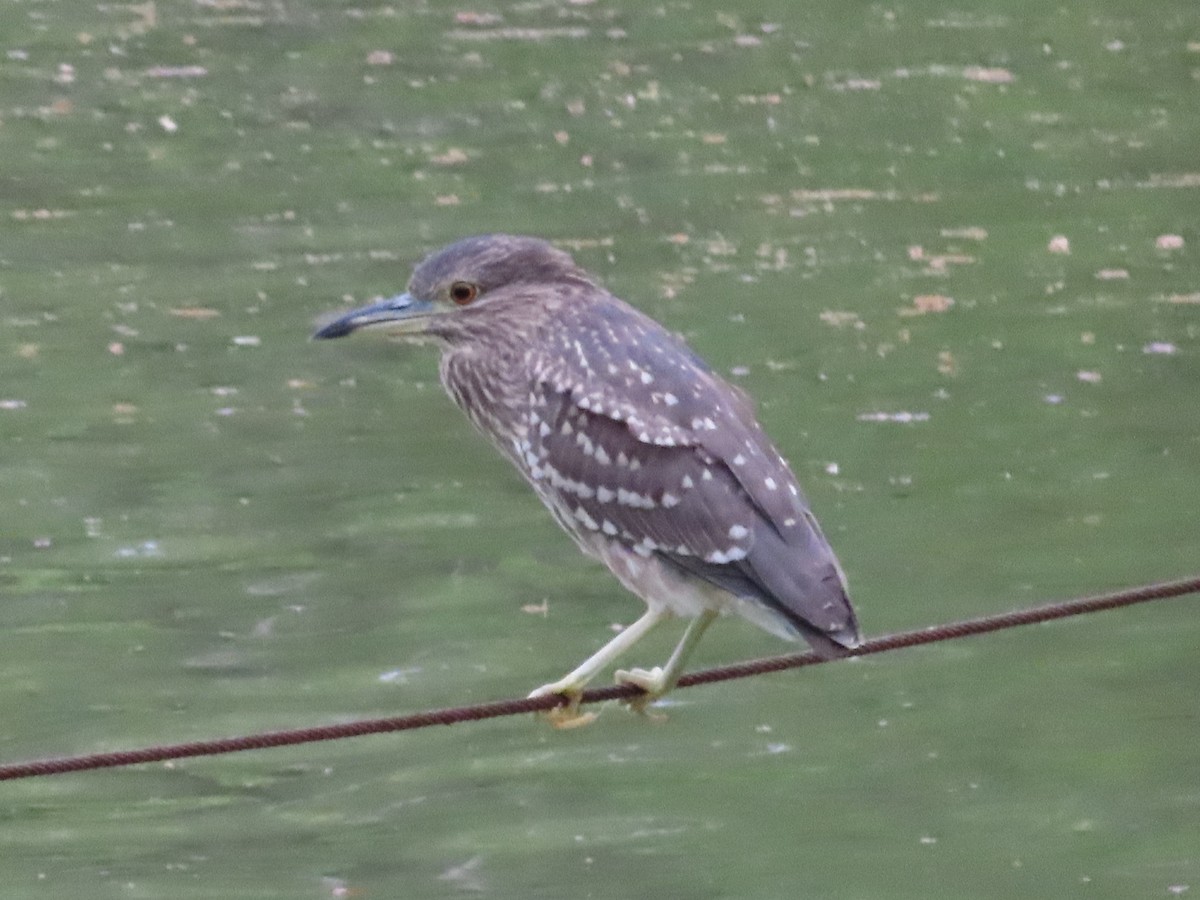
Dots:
(652, 681)
(568, 715)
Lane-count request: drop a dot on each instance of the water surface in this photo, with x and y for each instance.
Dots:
(951, 252)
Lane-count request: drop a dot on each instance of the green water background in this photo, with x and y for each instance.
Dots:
(950, 249)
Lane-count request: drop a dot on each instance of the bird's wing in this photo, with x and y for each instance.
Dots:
(640, 441)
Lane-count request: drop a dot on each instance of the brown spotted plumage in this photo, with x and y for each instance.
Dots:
(647, 458)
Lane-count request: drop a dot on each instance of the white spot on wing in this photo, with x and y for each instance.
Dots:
(737, 532)
(727, 556)
(634, 499)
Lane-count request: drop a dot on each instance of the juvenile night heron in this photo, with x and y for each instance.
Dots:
(645, 456)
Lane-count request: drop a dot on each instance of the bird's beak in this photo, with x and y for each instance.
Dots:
(402, 314)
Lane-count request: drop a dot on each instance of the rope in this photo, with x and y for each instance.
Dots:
(498, 708)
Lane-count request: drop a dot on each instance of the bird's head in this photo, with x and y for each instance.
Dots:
(460, 283)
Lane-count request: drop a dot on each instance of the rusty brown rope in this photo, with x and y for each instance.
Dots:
(495, 709)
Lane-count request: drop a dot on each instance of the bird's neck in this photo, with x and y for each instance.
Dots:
(489, 382)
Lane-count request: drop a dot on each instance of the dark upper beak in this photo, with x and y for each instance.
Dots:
(402, 314)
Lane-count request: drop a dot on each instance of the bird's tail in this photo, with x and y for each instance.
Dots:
(804, 583)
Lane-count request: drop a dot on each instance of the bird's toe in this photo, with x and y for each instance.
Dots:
(653, 682)
(565, 715)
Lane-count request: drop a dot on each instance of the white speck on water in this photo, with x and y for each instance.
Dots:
(1160, 347)
(928, 840)
(832, 468)
(1054, 399)
(465, 877)
(399, 676)
(247, 340)
(902, 417)
(144, 550)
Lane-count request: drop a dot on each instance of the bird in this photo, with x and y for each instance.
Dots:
(647, 458)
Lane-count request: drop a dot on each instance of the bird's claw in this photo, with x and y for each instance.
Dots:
(653, 683)
(566, 715)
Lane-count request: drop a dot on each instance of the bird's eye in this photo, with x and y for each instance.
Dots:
(463, 292)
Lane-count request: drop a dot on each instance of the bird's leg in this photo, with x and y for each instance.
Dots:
(571, 685)
(661, 679)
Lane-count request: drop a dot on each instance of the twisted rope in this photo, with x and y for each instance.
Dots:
(498, 708)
